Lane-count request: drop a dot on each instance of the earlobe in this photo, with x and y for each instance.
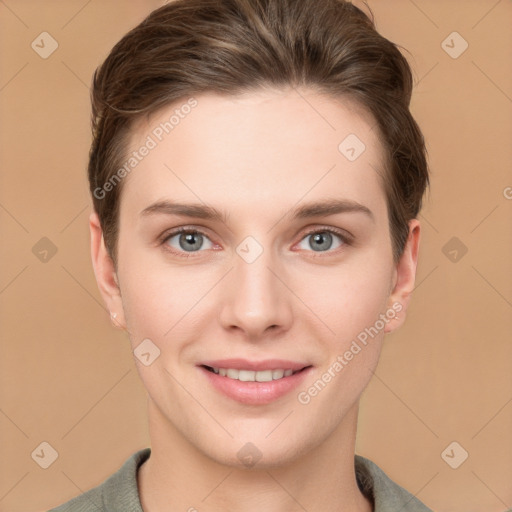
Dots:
(105, 272)
(405, 276)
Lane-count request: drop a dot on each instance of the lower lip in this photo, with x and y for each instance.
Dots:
(255, 393)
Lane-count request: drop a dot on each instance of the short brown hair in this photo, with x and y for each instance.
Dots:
(188, 47)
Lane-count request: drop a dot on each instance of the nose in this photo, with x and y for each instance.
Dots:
(255, 300)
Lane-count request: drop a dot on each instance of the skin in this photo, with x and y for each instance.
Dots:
(257, 157)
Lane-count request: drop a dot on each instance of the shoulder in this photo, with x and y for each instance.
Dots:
(386, 494)
(118, 493)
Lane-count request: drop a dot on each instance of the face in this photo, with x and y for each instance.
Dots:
(252, 243)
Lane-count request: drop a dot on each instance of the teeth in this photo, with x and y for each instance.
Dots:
(253, 376)
(232, 374)
(263, 376)
(277, 374)
(246, 376)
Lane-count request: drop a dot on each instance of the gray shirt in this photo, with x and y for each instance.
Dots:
(119, 493)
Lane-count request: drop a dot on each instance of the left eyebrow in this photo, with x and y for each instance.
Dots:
(330, 207)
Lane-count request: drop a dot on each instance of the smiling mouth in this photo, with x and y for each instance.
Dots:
(252, 375)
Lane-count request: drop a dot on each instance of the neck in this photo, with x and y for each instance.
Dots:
(178, 476)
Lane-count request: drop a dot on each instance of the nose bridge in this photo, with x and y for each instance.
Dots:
(257, 299)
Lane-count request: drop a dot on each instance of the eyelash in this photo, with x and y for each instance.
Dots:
(344, 237)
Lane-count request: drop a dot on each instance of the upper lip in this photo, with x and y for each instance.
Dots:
(245, 364)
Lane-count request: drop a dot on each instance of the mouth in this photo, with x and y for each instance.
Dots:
(251, 383)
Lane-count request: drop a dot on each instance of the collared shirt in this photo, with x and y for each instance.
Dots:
(119, 493)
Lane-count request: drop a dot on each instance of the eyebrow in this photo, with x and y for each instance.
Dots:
(313, 209)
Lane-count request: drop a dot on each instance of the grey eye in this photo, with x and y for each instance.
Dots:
(189, 241)
(321, 241)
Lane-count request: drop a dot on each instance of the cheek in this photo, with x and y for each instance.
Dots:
(352, 309)
(154, 302)
(347, 298)
(162, 301)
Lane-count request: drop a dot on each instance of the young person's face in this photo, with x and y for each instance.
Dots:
(257, 285)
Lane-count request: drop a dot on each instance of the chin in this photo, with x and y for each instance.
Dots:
(258, 454)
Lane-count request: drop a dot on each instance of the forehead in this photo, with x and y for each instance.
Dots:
(257, 149)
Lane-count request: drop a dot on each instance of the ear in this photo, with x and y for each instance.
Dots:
(105, 273)
(404, 277)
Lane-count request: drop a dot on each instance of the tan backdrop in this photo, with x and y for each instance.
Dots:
(67, 377)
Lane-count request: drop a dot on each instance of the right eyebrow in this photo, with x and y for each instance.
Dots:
(197, 210)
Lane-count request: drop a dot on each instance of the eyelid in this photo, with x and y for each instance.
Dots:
(182, 229)
(342, 233)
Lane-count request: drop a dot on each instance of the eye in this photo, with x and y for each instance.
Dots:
(323, 240)
(188, 240)
(185, 240)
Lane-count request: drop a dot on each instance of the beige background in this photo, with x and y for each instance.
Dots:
(67, 377)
